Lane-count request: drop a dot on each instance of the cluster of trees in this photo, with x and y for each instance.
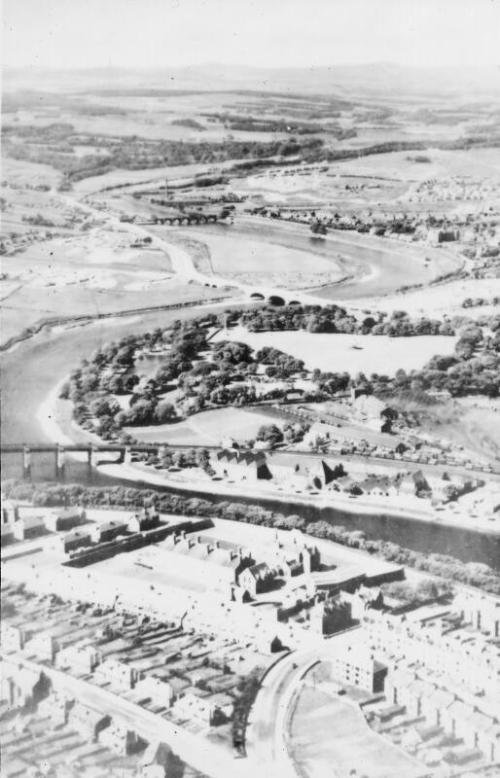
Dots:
(474, 368)
(476, 302)
(246, 123)
(278, 364)
(444, 566)
(335, 319)
(54, 145)
(425, 591)
(111, 371)
(38, 220)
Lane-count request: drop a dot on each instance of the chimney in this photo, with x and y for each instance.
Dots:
(198, 538)
(217, 544)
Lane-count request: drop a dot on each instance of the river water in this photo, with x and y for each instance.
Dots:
(31, 370)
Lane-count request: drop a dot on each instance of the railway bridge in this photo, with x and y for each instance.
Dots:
(61, 462)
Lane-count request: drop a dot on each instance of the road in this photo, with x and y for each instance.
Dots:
(266, 732)
(268, 724)
(195, 750)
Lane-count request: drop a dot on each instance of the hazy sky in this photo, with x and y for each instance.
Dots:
(152, 33)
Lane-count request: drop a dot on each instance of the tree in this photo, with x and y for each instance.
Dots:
(164, 413)
(271, 434)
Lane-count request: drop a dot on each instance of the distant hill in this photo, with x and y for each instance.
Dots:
(377, 81)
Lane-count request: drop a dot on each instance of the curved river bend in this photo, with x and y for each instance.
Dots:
(31, 370)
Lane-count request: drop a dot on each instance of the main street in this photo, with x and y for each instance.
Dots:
(196, 750)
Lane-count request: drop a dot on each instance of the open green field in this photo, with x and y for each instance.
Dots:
(208, 428)
(353, 353)
(329, 738)
(401, 165)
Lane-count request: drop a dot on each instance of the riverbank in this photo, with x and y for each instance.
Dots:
(48, 417)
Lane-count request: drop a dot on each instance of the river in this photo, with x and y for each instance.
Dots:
(32, 368)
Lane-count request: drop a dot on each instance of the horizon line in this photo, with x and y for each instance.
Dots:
(211, 64)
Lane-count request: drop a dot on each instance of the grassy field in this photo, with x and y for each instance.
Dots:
(22, 172)
(205, 429)
(437, 301)
(401, 165)
(354, 353)
(330, 738)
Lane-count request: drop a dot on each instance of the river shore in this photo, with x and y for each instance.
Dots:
(59, 431)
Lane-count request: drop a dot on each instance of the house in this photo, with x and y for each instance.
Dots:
(28, 527)
(107, 531)
(18, 685)
(373, 412)
(43, 646)
(120, 739)
(160, 692)
(254, 578)
(56, 707)
(10, 512)
(14, 638)
(118, 675)
(88, 721)
(80, 660)
(364, 599)
(200, 675)
(77, 538)
(7, 534)
(208, 709)
(480, 609)
(242, 465)
(144, 520)
(178, 686)
(65, 519)
(355, 665)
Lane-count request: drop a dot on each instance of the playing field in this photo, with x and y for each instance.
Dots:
(330, 738)
(351, 353)
(209, 428)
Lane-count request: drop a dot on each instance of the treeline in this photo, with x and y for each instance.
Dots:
(335, 319)
(245, 123)
(445, 566)
(54, 145)
(228, 378)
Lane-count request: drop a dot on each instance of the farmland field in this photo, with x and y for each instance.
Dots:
(354, 353)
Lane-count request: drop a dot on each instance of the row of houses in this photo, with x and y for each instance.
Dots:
(317, 474)
(21, 523)
(24, 523)
(442, 709)
(441, 647)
